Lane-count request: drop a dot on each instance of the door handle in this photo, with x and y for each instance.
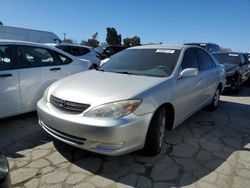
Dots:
(55, 69)
(5, 75)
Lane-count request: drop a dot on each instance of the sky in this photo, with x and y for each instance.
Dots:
(226, 22)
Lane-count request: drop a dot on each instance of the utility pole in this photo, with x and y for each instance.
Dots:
(64, 36)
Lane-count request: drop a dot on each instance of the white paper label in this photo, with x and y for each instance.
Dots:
(166, 51)
(235, 55)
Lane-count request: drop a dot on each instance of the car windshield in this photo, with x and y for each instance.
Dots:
(147, 62)
(227, 58)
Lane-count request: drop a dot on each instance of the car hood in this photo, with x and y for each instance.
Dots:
(96, 87)
(229, 66)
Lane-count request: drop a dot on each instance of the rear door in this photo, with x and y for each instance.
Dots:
(39, 68)
(208, 75)
(9, 82)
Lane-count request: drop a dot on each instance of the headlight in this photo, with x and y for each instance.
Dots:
(45, 95)
(229, 73)
(114, 109)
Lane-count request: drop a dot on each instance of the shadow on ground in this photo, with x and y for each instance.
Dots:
(194, 150)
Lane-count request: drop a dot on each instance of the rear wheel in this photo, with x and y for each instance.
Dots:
(156, 131)
(216, 99)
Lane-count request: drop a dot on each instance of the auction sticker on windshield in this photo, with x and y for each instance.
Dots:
(166, 51)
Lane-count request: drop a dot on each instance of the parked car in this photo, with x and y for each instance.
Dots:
(108, 51)
(236, 66)
(4, 171)
(210, 47)
(27, 69)
(132, 99)
(80, 51)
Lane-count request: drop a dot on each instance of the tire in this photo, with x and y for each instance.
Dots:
(215, 102)
(155, 134)
(236, 88)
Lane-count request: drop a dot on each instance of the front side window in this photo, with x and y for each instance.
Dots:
(5, 58)
(29, 56)
(147, 62)
(204, 60)
(63, 59)
(189, 60)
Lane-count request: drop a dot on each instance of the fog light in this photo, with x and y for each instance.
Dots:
(110, 146)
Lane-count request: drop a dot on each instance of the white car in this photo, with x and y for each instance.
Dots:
(27, 69)
(80, 51)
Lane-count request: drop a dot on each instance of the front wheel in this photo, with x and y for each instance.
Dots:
(155, 134)
(236, 86)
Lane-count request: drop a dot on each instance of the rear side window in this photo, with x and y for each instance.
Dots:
(204, 60)
(63, 59)
(6, 61)
(29, 56)
(190, 60)
(74, 50)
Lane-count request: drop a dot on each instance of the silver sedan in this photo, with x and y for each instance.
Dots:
(127, 103)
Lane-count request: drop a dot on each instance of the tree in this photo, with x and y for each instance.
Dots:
(135, 41)
(127, 42)
(93, 43)
(68, 41)
(112, 37)
(90, 42)
(1, 23)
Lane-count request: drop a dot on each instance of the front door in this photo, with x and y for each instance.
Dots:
(9, 83)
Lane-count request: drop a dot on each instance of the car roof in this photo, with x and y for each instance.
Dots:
(190, 43)
(17, 42)
(66, 44)
(20, 42)
(161, 46)
(220, 52)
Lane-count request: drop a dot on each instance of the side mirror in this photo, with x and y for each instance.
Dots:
(188, 72)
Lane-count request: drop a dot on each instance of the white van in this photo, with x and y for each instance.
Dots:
(23, 34)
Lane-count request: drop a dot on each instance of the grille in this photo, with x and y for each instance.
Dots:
(68, 105)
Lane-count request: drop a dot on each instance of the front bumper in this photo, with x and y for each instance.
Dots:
(105, 136)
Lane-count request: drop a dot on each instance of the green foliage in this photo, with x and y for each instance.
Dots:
(134, 41)
(127, 42)
(90, 42)
(68, 41)
(112, 37)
